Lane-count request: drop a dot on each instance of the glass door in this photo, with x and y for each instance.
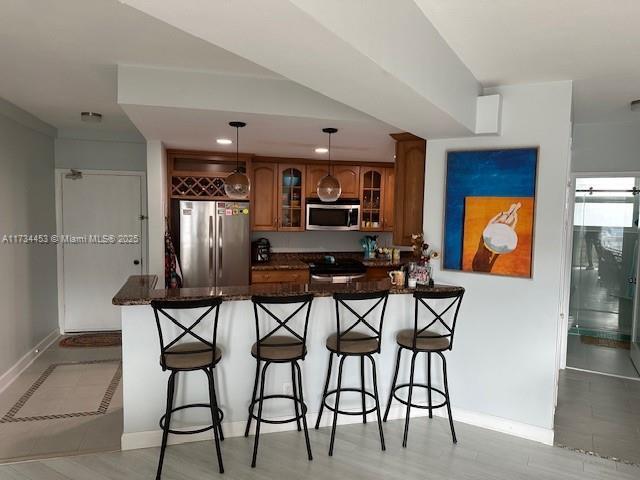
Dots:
(604, 275)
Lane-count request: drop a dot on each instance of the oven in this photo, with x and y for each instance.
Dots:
(343, 214)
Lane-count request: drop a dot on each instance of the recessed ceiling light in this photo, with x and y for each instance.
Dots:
(224, 141)
(92, 117)
(321, 150)
(635, 105)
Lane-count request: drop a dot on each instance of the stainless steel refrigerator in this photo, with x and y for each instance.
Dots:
(215, 243)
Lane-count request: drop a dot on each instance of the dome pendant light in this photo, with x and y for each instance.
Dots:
(237, 185)
(329, 188)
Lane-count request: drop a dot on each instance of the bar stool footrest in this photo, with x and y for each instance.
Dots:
(416, 405)
(184, 407)
(303, 409)
(344, 412)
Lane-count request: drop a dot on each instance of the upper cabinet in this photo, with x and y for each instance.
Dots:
(372, 180)
(349, 178)
(314, 172)
(347, 175)
(291, 197)
(409, 187)
(264, 200)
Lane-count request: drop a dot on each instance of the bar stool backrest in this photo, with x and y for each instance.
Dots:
(186, 331)
(300, 308)
(448, 324)
(370, 319)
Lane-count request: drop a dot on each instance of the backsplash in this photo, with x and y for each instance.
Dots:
(321, 241)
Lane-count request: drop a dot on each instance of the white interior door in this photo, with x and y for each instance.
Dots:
(101, 220)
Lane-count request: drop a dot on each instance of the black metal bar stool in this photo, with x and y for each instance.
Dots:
(351, 343)
(177, 356)
(288, 348)
(422, 340)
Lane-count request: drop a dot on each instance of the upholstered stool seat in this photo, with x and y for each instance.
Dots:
(426, 341)
(190, 356)
(354, 343)
(279, 348)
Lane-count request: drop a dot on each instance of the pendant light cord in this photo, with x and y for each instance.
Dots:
(329, 169)
(237, 149)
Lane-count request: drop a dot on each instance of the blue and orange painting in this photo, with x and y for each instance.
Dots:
(489, 212)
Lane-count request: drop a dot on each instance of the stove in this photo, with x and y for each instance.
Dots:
(331, 270)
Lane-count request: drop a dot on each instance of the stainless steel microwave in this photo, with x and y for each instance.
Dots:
(343, 214)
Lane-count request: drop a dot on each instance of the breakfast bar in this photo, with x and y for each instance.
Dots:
(145, 384)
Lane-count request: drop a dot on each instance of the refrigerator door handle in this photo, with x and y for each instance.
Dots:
(211, 249)
(220, 239)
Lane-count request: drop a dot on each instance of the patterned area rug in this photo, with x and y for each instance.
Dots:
(605, 342)
(100, 339)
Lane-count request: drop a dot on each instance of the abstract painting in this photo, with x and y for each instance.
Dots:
(490, 210)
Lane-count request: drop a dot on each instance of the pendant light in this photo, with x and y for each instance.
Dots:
(329, 188)
(237, 185)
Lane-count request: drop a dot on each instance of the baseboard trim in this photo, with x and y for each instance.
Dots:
(153, 438)
(27, 359)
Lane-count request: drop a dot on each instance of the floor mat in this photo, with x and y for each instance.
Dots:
(92, 340)
(605, 342)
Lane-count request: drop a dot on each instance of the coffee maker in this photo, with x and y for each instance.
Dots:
(260, 250)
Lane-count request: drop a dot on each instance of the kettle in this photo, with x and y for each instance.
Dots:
(260, 250)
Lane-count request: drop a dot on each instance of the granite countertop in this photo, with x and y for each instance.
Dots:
(140, 290)
(299, 261)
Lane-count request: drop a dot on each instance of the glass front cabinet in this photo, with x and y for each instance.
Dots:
(371, 197)
(291, 198)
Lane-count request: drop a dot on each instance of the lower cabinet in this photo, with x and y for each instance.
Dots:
(378, 273)
(280, 276)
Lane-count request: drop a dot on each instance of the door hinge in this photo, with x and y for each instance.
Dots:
(74, 175)
(143, 217)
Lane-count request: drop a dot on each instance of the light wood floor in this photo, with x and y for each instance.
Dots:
(480, 454)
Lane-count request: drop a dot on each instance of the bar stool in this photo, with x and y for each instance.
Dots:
(186, 356)
(351, 343)
(288, 348)
(423, 340)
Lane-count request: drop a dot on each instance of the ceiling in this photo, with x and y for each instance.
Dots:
(266, 135)
(63, 58)
(593, 42)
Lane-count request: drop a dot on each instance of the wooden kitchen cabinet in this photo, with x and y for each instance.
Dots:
(313, 175)
(372, 180)
(347, 175)
(409, 187)
(387, 210)
(280, 276)
(264, 200)
(291, 198)
(349, 178)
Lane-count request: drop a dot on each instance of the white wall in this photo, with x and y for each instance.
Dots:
(28, 289)
(505, 357)
(606, 147)
(100, 154)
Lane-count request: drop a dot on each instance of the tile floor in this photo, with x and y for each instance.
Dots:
(39, 412)
(595, 358)
(599, 413)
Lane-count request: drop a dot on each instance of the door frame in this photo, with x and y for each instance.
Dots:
(59, 174)
(568, 248)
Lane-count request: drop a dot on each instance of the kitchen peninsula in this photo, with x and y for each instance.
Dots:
(144, 381)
